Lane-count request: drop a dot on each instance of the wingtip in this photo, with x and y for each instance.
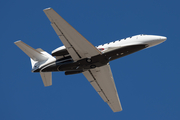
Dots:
(47, 8)
(17, 41)
(117, 110)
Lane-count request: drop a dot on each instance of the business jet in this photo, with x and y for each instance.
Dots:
(78, 55)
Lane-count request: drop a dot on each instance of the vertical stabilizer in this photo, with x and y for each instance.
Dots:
(46, 78)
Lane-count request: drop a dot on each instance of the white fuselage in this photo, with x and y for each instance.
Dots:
(149, 40)
(110, 51)
(108, 48)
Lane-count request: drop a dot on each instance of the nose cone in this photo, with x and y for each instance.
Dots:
(153, 40)
(162, 38)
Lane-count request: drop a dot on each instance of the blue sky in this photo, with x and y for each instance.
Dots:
(147, 81)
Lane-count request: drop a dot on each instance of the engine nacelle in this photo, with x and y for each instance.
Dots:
(60, 51)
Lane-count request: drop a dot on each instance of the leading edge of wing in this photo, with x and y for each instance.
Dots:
(102, 80)
(77, 46)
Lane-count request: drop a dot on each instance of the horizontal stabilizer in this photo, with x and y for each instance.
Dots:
(46, 78)
(31, 52)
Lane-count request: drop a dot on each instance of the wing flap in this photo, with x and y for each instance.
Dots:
(98, 89)
(95, 85)
(103, 96)
(102, 80)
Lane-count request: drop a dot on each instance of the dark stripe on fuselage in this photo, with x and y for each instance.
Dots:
(97, 61)
(121, 52)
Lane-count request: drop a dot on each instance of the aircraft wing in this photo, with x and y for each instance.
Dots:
(102, 80)
(77, 46)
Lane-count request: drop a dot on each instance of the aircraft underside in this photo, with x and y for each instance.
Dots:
(70, 67)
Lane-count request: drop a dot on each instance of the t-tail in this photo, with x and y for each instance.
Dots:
(38, 59)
